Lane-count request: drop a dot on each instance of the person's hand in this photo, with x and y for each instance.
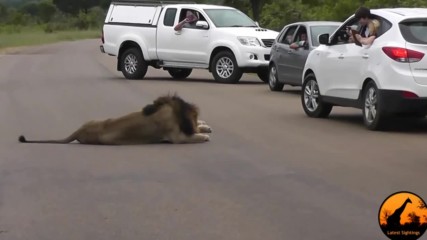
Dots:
(293, 46)
(186, 20)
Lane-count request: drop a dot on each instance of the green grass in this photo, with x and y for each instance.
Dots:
(36, 36)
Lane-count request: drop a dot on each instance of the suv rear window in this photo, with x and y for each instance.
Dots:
(414, 31)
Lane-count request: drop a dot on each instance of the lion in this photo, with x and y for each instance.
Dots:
(168, 119)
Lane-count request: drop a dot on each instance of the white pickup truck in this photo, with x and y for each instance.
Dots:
(224, 40)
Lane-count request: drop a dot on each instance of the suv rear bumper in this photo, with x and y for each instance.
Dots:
(395, 102)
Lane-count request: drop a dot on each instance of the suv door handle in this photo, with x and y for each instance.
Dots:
(366, 56)
(341, 57)
(290, 51)
(177, 33)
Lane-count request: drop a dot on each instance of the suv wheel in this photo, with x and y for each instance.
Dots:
(273, 80)
(373, 116)
(224, 68)
(311, 99)
(133, 65)
(264, 74)
(180, 73)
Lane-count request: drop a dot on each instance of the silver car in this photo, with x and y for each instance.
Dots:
(287, 60)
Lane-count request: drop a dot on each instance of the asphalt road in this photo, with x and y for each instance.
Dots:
(269, 172)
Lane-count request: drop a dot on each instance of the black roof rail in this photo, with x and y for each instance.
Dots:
(150, 2)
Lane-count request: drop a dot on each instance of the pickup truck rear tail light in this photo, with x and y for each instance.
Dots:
(403, 55)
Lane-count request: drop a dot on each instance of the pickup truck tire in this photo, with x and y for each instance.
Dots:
(264, 75)
(225, 69)
(180, 73)
(133, 65)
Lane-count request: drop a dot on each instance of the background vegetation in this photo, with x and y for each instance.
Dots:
(37, 21)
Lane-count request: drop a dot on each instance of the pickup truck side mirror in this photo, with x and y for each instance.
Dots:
(323, 38)
(202, 24)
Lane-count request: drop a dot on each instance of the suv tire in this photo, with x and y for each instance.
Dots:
(132, 64)
(225, 69)
(273, 79)
(312, 101)
(374, 116)
(180, 73)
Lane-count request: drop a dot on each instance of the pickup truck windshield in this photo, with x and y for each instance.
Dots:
(229, 18)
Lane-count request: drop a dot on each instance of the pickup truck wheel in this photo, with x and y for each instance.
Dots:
(264, 75)
(180, 73)
(225, 69)
(133, 64)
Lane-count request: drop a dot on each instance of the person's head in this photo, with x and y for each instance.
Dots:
(363, 14)
(191, 16)
(303, 36)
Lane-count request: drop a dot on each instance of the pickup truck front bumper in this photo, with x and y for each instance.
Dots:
(253, 57)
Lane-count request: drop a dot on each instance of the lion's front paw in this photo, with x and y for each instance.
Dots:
(205, 137)
(205, 129)
(201, 122)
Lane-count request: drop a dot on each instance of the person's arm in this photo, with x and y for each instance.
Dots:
(180, 25)
(294, 46)
(365, 41)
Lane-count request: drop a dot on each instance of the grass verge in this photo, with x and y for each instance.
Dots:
(32, 37)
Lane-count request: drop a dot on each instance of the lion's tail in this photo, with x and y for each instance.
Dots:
(68, 139)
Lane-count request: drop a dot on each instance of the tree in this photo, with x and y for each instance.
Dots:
(385, 214)
(75, 6)
(414, 218)
(46, 11)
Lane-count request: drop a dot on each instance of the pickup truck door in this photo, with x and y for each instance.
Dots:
(188, 45)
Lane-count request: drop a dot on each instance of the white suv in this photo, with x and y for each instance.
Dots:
(224, 40)
(386, 78)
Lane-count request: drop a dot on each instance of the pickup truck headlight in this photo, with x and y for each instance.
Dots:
(249, 41)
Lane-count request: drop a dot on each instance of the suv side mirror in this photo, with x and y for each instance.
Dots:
(202, 24)
(323, 39)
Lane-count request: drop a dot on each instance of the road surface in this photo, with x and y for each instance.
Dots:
(269, 172)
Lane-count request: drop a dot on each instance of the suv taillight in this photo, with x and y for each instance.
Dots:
(403, 55)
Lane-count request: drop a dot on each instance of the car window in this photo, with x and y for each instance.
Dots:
(170, 15)
(183, 15)
(318, 30)
(414, 31)
(288, 36)
(341, 36)
(281, 35)
(302, 30)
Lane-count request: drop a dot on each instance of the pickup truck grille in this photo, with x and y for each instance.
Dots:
(268, 42)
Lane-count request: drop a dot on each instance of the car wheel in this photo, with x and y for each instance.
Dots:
(264, 75)
(311, 100)
(273, 80)
(225, 69)
(133, 65)
(373, 115)
(180, 73)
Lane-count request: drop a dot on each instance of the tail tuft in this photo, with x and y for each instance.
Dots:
(22, 139)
